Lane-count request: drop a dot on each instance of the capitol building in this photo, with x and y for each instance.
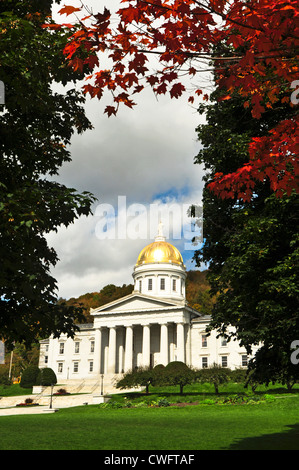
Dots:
(153, 325)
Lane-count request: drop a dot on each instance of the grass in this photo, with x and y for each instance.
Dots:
(263, 424)
(14, 390)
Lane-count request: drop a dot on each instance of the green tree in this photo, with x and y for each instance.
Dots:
(215, 375)
(140, 377)
(251, 247)
(178, 373)
(36, 125)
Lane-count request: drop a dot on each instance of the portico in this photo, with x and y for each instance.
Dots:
(120, 349)
(150, 332)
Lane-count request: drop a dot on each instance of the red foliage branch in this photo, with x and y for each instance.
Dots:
(260, 39)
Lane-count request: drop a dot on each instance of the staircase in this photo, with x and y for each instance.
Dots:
(90, 385)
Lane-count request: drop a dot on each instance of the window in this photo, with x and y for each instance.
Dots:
(46, 359)
(91, 366)
(60, 367)
(204, 341)
(61, 348)
(76, 366)
(224, 361)
(150, 284)
(140, 286)
(174, 285)
(91, 346)
(223, 341)
(204, 362)
(77, 347)
(162, 283)
(244, 360)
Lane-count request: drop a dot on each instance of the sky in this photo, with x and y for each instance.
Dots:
(140, 167)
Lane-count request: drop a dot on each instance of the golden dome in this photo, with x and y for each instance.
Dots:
(160, 252)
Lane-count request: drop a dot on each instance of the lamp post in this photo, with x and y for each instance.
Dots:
(102, 384)
(51, 396)
(10, 365)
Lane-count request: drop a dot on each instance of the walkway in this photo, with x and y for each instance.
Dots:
(8, 404)
(88, 394)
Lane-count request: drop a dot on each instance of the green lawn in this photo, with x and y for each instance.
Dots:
(261, 425)
(14, 390)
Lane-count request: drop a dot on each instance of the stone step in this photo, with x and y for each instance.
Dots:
(85, 385)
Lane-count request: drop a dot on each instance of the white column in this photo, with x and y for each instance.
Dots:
(98, 351)
(164, 344)
(112, 350)
(188, 345)
(129, 349)
(121, 352)
(146, 344)
(180, 346)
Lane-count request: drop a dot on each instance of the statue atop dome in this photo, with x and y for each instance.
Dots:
(160, 237)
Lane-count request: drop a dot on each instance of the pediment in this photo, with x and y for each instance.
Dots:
(135, 303)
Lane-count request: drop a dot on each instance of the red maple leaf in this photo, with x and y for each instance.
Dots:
(177, 90)
(68, 10)
(110, 110)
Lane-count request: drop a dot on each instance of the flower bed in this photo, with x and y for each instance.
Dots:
(61, 392)
(28, 402)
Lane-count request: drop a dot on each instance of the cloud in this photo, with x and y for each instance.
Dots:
(145, 154)
(103, 248)
(139, 153)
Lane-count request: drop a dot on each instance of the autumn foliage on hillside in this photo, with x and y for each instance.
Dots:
(107, 294)
(251, 46)
(197, 295)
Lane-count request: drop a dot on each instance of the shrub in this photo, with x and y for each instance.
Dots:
(163, 402)
(238, 375)
(46, 377)
(269, 398)
(176, 365)
(28, 401)
(208, 401)
(141, 377)
(175, 373)
(61, 391)
(29, 376)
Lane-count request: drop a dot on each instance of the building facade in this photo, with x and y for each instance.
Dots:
(153, 325)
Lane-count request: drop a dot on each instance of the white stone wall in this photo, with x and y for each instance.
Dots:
(208, 349)
(70, 364)
(156, 272)
(90, 359)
